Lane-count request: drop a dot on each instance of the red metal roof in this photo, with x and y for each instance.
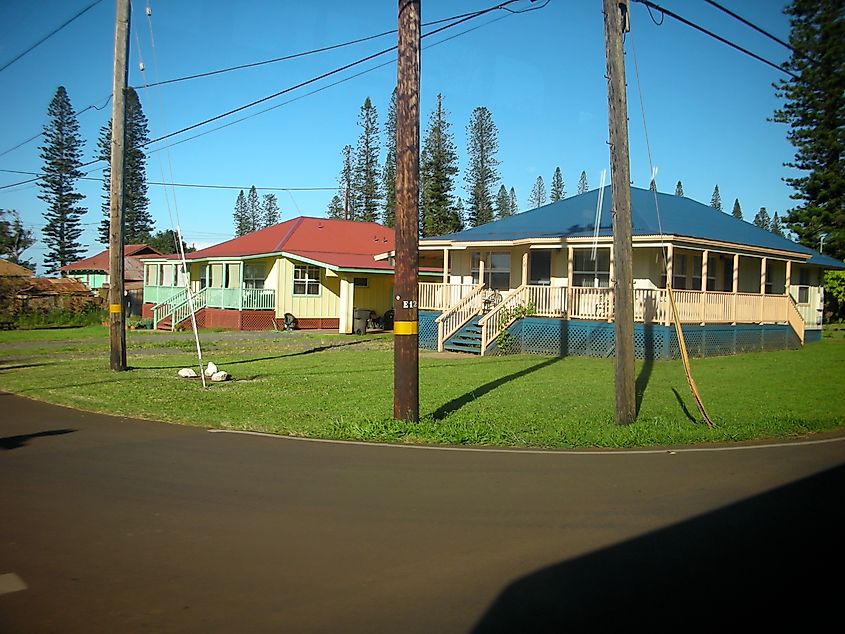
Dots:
(338, 243)
(133, 268)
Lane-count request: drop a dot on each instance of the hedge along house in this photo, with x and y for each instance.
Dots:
(737, 287)
(316, 269)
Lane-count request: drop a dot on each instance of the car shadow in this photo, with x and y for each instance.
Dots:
(770, 560)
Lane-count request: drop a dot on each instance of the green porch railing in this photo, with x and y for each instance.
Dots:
(259, 298)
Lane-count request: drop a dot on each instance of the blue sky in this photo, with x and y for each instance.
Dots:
(540, 73)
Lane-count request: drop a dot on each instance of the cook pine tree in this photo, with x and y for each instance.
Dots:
(776, 226)
(762, 219)
(537, 198)
(679, 189)
(367, 175)
(737, 210)
(716, 199)
(482, 166)
(343, 205)
(583, 186)
(814, 111)
(503, 203)
(269, 210)
(389, 170)
(557, 192)
(62, 156)
(438, 169)
(138, 223)
(240, 215)
(514, 203)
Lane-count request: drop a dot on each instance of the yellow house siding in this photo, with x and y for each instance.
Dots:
(377, 295)
(326, 304)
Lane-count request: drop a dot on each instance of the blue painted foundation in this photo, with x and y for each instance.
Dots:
(561, 337)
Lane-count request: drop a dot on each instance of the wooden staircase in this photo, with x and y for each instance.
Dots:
(467, 339)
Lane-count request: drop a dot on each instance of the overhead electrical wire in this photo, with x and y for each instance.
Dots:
(672, 14)
(49, 35)
(750, 24)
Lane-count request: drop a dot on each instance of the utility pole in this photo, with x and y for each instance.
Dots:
(406, 370)
(616, 22)
(117, 304)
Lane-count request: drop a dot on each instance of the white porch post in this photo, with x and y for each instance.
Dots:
(763, 264)
(705, 263)
(347, 297)
(670, 257)
(525, 267)
(570, 268)
(445, 267)
(735, 284)
(481, 268)
(788, 282)
(611, 285)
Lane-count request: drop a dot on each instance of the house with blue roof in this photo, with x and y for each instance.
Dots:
(542, 281)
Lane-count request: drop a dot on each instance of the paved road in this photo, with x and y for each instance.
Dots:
(117, 525)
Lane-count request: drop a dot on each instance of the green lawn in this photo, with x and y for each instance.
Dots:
(332, 386)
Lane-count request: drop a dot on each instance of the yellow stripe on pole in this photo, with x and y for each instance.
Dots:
(405, 327)
(115, 308)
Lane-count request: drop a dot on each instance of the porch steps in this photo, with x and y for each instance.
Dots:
(467, 339)
(165, 324)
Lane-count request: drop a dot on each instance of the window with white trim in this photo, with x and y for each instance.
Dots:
(306, 279)
(497, 269)
(254, 275)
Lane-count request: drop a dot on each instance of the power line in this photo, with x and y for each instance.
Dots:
(753, 26)
(671, 14)
(49, 35)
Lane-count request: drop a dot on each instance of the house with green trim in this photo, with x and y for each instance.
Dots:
(542, 281)
(318, 270)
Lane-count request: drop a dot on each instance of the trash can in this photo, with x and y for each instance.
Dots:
(359, 320)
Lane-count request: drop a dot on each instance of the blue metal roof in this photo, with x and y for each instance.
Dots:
(679, 216)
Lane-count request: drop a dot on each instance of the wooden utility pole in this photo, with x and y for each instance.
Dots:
(616, 22)
(406, 370)
(117, 303)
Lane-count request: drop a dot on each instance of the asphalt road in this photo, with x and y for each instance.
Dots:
(122, 526)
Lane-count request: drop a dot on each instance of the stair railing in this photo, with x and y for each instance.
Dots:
(452, 320)
(163, 310)
(183, 311)
(793, 315)
(500, 317)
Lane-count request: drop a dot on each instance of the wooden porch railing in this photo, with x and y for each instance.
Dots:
(590, 303)
(182, 311)
(795, 319)
(439, 296)
(258, 298)
(164, 309)
(542, 301)
(449, 322)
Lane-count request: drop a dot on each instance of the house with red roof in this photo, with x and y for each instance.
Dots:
(94, 271)
(318, 270)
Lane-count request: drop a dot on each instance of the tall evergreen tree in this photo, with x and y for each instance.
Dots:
(557, 192)
(165, 242)
(482, 166)
(514, 202)
(652, 186)
(389, 172)
(438, 168)
(776, 227)
(138, 223)
(815, 113)
(679, 189)
(269, 210)
(537, 198)
(335, 209)
(367, 171)
(583, 186)
(346, 185)
(62, 156)
(716, 199)
(253, 210)
(503, 204)
(762, 219)
(737, 210)
(241, 215)
(459, 214)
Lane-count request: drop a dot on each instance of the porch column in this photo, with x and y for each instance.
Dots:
(570, 269)
(705, 263)
(611, 284)
(481, 270)
(445, 267)
(763, 263)
(670, 256)
(347, 297)
(525, 267)
(788, 282)
(735, 284)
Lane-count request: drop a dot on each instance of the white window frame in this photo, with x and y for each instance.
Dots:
(591, 271)
(496, 278)
(307, 276)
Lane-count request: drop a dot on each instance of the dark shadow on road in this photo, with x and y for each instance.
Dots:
(270, 358)
(683, 405)
(769, 561)
(15, 442)
(457, 403)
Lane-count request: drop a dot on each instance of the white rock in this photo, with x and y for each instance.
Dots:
(220, 376)
(211, 369)
(187, 373)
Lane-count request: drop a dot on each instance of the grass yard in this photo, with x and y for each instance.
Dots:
(333, 386)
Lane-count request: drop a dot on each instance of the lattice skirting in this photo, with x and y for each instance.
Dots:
(427, 330)
(812, 336)
(559, 337)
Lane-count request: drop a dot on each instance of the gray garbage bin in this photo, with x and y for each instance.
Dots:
(359, 320)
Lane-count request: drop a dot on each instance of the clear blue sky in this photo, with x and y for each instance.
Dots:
(541, 74)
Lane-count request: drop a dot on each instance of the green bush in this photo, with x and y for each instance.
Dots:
(57, 317)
